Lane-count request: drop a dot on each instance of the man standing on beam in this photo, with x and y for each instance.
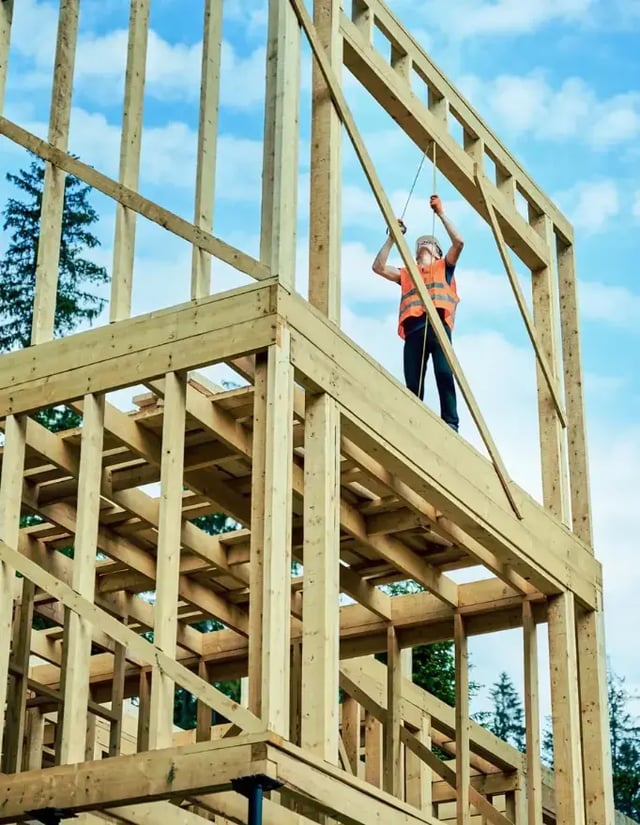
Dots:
(420, 340)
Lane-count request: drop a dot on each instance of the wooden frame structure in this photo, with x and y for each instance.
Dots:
(322, 458)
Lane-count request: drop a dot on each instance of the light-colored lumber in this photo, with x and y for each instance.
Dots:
(6, 19)
(207, 143)
(574, 394)
(269, 623)
(117, 699)
(532, 716)
(565, 705)
(553, 452)
(134, 201)
(463, 777)
(168, 567)
(385, 207)
(280, 149)
(10, 487)
(77, 643)
(546, 365)
(130, 147)
(351, 732)
(15, 718)
(325, 224)
(201, 768)
(53, 192)
(393, 773)
(594, 708)
(321, 593)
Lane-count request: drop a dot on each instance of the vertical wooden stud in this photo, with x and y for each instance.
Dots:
(6, 19)
(78, 632)
(270, 574)
(532, 716)
(321, 595)
(373, 750)
(144, 710)
(463, 773)
(117, 699)
(351, 731)
(203, 712)
(325, 173)
(565, 710)
(130, 147)
(363, 18)
(46, 290)
(552, 443)
(207, 142)
(280, 159)
(393, 774)
(17, 698)
(168, 567)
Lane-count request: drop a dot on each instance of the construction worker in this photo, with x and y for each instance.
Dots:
(420, 340)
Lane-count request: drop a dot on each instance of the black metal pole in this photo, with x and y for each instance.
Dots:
(255, 804)
(253, 787)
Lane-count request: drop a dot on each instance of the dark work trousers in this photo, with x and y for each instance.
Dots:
(414, 346)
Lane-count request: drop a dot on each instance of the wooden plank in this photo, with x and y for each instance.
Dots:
(552, 443)
(130, 147)
(15, 716)
(373, 750)
(125, 636)
(565, 697)
(271, 503)
(117, 699)
(383, 202)
(443, 89)
(6, 19)
(321, 583)
(48, 257)
(574, 396)
(126, 780)
(351, 732)
(77, 642)
(10, 499)
(141, 348)
(280, 152)
(532, 716)
(463, 776)
(545, 363)
(207, 143)
(325, 224)
(393, 774)
(168, 566)
(137, 203)
(594, 708)
(537, 547)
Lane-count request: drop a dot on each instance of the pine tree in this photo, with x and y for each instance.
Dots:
(506, 719)
(76, 303)
(625, 748)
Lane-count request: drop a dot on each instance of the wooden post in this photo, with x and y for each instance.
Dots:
(130, 146)
(270, 575)
(6, 18)
(117, 699)
(143, 711)
(594, 706)
(565, 710)
(417, 773)
(362, 17)
(207, 142)
(44, 306)
(552, 442)
(203, 711)
(351, 730)
(78, 632)
(373, 750)
(325, 225)
(17, 696)
(463, 768)
(532, 716)
(280, 163)
(295, 707)
(574, 400)
(393, 775)
(321, 594)
(168, 568)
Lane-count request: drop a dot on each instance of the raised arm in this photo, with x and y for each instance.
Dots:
(380, 266)
(457, 243)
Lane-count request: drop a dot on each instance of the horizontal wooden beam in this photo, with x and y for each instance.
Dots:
(135, 201)
(185, 337)
(125, 780)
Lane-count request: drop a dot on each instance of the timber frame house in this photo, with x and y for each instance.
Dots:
(323, 458)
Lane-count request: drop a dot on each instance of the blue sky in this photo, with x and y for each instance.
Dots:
(558, 80)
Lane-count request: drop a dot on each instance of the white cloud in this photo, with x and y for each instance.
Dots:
(517, 16)
(609, 304)
(590, 204)
(524, 104)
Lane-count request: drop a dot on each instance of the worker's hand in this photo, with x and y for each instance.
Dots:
(436, 204)
(403, 228)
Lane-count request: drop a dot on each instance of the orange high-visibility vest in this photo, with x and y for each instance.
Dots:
(443, 295)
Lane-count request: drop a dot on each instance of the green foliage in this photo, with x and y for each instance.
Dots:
(625, 748)
(76, 303)
(506, 719)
